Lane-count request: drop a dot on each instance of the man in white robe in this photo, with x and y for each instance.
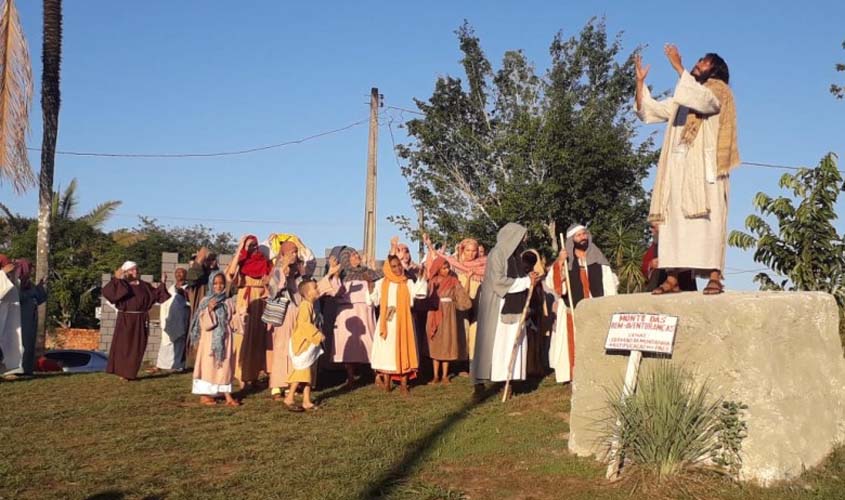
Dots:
(589, 275)
(690, 195)
(175, 319)
(11, 344)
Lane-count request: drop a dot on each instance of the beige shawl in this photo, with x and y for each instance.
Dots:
(694, 195)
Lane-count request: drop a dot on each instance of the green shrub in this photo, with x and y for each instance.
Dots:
(671, 425)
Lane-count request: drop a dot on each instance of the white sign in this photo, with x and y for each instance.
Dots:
(641, 332)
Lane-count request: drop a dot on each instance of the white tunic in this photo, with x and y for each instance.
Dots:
(690, 243)
(508, 335)
(559, 345)
(10, 326)
(174, 318)
(383, 357)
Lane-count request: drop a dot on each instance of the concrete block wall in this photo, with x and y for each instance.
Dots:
(108, 315)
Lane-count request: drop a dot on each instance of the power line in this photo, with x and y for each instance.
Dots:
(207, 155)
(239, 221)
(405, 110)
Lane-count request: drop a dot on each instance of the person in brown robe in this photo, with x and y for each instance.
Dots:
(537, 318)
(133, 300)
(445, 334)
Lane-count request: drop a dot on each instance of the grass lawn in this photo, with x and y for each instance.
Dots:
(94, 436)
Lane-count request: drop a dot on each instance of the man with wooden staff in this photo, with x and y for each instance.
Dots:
(580, 272)
(501, 302)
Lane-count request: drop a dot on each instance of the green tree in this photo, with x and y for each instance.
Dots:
(838, 91)
(145, 243)
(804, 247)
(81, 255)
(544, 150)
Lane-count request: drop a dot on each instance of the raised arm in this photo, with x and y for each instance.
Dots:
(688, 92)
(650, 110)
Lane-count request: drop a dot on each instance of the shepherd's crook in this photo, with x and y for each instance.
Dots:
(517, 342)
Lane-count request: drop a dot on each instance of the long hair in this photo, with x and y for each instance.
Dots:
(719, 69)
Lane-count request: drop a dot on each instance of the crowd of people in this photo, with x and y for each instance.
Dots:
(265, 320)
(503, 315)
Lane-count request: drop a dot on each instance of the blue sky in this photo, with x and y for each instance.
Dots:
(202, 76)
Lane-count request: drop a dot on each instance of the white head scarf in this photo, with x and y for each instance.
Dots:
(128, 265)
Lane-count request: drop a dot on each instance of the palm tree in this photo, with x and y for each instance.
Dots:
(51, 57)
(15, 100)
(626, 251)
(64, 206)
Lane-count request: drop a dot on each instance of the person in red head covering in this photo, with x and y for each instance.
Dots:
(469, 265)
(444, 330)
(249, 271)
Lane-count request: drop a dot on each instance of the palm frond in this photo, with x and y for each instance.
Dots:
(68, 200)
(127, 238)
(100, 214)
(15, 100)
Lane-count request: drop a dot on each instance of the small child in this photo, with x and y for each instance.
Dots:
(304, 347)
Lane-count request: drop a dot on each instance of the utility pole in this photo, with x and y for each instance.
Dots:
(372, 160)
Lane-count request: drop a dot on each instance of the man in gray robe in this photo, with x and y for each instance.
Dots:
(501, 299)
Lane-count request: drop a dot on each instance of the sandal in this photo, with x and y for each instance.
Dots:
(667, 287)
(311, 408)
(294, 408)
(714, 287)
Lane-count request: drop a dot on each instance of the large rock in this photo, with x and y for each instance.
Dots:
(777, 352)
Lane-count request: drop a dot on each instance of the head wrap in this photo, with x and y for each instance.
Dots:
(128, 265)
(439, 287)
(255, 264)
(24, 273)
(355, 273)
(221, 311)
(406, 348)
(594, 254)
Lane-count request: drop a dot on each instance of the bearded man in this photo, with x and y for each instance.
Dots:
(690, 196)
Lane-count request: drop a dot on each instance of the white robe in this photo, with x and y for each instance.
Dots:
(559, 345)
(383, 356)
(690, 243)
(11, 342)
(508, 334)
(175, 315)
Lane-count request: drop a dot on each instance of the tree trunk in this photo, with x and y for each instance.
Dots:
(51, 56)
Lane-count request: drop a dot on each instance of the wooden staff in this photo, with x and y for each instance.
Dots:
(566, 280)
(517, 342)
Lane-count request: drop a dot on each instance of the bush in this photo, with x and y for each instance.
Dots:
(672, 425)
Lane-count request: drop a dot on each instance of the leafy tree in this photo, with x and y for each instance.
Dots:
(804, 247)
(544, 150)
(145, 243)
(81, 255)
(838, 91)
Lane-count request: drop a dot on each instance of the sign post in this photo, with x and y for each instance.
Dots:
(636, 333)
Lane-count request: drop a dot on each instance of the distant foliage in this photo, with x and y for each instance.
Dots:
(838, 91)
(545, 149)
